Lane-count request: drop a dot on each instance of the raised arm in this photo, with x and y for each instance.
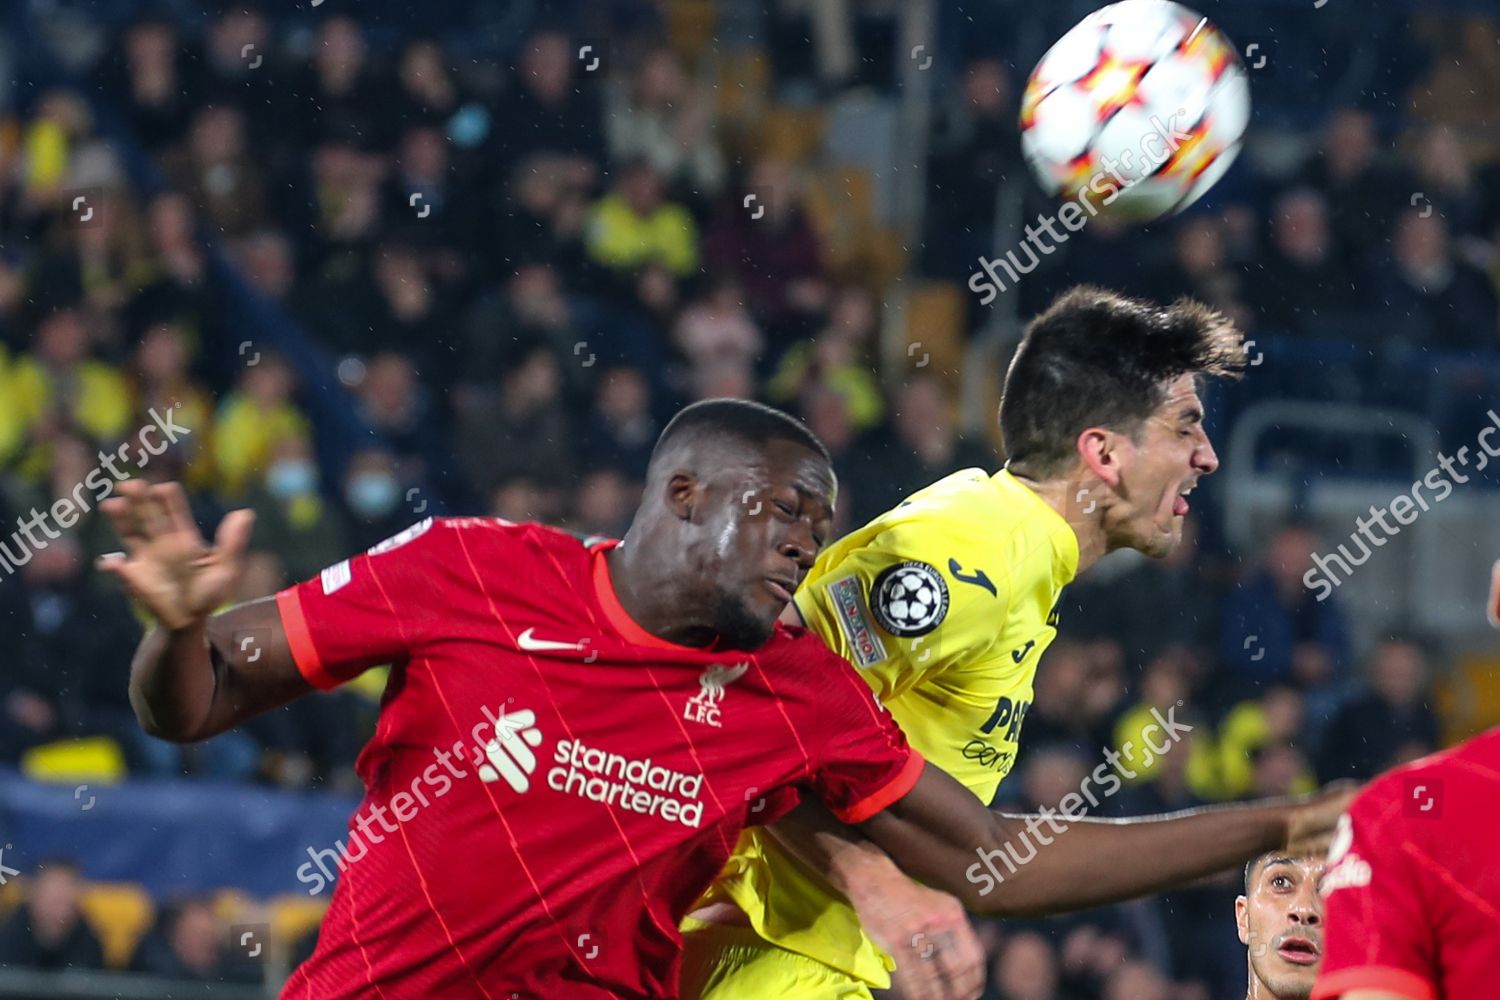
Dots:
(1020, 866)
(196, 673)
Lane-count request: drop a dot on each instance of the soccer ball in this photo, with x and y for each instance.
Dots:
(1136, 111)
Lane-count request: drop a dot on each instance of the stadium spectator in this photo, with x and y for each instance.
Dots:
(395, 400)
(146, 75)
(717, 328)
(1025, 968)
(619, 429)
(377, 503)
(922, 446)
(69, 639)
(162, 381)
(1302, 277)
(634, 227)
(524, 430)
(658, 115)
(1360, 186)
(257, 414)
(1443, 301)
(48, 929)
(1385, 724)
(217, 172)
(341, 94)
(234, 68)
(1147, 605)
(427, 91)
(606, 499)
(841, 357)
(548, 110)
(770, 248)
(1276, 718)
(177, 285)
(1134, 980)
(975, 147)
(1200, 268)
(1165, 692)
(429, 203)
(1273, 628)
(1446, 178)
(293, 520)
(60, 385)
(188, 944)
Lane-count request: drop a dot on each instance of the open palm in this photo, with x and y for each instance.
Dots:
(167, 566)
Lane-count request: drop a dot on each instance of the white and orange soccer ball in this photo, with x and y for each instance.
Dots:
(1137, 111)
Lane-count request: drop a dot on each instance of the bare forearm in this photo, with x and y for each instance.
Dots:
(172, 682)
(194, 682)
(839, 853)
(1044, 864)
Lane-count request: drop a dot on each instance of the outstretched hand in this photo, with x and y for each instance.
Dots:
(938, 955)
(1312, 821)
(167, 566)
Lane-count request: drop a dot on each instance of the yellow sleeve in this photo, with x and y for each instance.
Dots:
(677, 240)
(900, 606)
(967, 720)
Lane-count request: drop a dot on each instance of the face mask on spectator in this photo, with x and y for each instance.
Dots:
(372, 494)
(290, 478)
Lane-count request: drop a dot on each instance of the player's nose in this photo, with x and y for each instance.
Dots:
(1305, 912)
(1205, 459)
(798, 545)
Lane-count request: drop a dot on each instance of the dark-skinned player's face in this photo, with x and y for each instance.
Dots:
(767, 511)
(1281, 923)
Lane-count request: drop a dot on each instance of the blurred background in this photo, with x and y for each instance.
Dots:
(383, 261)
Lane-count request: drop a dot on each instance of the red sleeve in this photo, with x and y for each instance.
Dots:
(368, 610)
(862, 762)
(1379, 935)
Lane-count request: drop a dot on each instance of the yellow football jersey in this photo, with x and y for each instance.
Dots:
(944, 605)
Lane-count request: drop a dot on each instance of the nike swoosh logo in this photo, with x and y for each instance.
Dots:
(1020, 654)
(531, 643)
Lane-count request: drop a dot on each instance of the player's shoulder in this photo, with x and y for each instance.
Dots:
(481, 534)
(796, 651)
(1416, 788)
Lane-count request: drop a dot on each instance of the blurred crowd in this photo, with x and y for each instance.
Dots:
(512, 274)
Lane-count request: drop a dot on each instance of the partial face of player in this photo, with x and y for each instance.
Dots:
(1169, 455)
(772, 513)
(1281, 923)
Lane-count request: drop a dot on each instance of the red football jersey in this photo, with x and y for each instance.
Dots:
(550, 787)
(1413, 885)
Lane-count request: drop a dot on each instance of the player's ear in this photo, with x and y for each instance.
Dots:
(681, 494)
(1099, 449)
(1241, 911)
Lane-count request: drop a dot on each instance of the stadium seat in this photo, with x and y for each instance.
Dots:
(292, 917)
(935, 320)
(120, 913)
(97, 759)
(690, 28)
(1468, 700)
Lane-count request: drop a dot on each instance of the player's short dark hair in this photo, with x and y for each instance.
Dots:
(1095, 358)
(739, 420)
